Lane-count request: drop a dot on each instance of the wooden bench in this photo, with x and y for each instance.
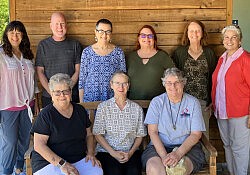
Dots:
(209, 169)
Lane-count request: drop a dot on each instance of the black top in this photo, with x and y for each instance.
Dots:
(67, 137)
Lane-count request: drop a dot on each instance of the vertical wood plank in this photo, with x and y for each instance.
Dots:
(12, 9)
(229, 11)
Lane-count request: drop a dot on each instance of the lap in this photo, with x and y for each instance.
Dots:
(196, 155)
(84, 168)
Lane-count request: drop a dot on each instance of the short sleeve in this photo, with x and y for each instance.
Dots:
(141, 129)
(99, 124)
(78, 52)
(42, 124)
(39, 55)
(153, 113)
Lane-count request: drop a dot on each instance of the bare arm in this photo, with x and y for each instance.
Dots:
(75, 76)
(81, 93)
(135, 146)
(103, 142)
(187, 145)
(154, 136)
(91, 148)
(43, 80)
(175, 156)
(40, 146)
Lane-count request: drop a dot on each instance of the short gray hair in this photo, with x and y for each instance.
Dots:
(173, 72)
(119, 72)
(233, 28)
(60, 78)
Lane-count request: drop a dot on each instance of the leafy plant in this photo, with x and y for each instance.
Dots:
(4, 15)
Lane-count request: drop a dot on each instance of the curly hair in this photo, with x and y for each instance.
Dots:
(25, 43)
(153, 32)
(185, 40)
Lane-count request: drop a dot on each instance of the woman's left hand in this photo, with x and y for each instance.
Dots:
(93, 159)
(126, 157)
(172, 159)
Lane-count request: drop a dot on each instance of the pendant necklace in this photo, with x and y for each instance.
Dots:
(174, 123)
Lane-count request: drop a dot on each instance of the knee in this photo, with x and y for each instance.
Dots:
(154, 166)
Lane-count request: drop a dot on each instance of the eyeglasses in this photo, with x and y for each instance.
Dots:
(169, 84)
(107, 32)
(125, 84)
(149, 36)
(233, 38)
(64, 92)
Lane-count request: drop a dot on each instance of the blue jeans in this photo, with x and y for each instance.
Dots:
(14, 139)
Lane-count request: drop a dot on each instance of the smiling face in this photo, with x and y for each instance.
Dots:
(146, 38)
(231, 41)
(61, 94)
(103, 33)
(174, 87)
(120, 85)
(58, 26)
(194, 32)
(15, 38)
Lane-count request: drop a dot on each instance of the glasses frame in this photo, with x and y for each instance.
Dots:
(124, 84)
(107, 32)
(176, 83)
(149, 36)
(60, 92)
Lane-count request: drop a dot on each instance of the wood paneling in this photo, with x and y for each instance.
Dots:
(117, 4)
(120, 27)
(126, 15)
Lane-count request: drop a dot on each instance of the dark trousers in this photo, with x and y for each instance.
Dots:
(112, 167)
(47, 100)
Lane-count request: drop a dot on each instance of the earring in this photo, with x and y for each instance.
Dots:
(96, 39)
(110, 41)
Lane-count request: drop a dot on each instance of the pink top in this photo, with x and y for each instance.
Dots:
(220, 99)
(17, 82)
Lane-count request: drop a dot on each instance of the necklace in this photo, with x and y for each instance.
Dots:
(170, 106)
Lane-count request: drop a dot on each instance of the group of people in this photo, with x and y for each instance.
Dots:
(193, 85)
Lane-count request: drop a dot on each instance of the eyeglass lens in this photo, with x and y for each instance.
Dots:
(64, 92)
(149, 36)
(107, 32)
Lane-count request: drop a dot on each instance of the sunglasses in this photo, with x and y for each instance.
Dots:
(107, 32)
(149, 36)
(64, 92)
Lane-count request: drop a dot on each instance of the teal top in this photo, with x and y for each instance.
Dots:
(145, 79)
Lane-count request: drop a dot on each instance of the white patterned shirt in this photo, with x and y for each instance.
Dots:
(119, 127)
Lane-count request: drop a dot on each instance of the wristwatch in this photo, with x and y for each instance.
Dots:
(61, 163)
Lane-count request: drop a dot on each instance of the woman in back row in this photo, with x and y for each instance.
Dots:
(146, 66)
(197, 61)
(99, 61)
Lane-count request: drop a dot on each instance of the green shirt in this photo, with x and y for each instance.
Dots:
(145, 79)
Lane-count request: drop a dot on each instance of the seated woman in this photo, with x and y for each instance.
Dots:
(174, 119)
(63, 141)
(119, 130)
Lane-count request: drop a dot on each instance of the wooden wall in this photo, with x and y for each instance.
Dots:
(168, 17)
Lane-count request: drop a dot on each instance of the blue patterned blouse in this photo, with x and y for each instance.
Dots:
(96, 71)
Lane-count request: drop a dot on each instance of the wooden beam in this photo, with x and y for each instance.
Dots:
(229, 11)
(12, 9)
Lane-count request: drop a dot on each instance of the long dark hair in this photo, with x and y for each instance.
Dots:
(25, 43)
(138, 46)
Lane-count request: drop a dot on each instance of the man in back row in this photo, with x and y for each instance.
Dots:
(58, 54)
